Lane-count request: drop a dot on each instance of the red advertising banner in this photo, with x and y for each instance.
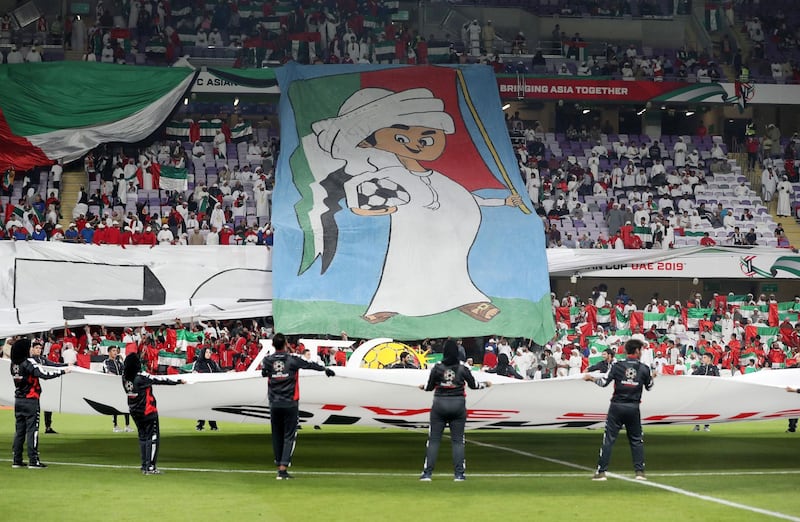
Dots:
(566, 88)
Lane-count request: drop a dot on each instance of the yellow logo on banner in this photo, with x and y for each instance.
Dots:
(386, 354)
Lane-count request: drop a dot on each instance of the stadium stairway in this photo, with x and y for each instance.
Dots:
(71, 182)
(791, 228)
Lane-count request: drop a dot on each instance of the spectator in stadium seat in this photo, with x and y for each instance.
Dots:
(706, 240)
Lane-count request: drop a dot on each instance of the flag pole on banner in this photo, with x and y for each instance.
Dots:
(487, 141)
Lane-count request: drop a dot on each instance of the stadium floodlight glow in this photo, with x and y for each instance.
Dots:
(587, 111)
(641, 111)
(236, 101)
(186, 101)
(506, 106)
(690, 113)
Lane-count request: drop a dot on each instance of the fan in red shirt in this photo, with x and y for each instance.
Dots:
(225, 235)
(706, 240)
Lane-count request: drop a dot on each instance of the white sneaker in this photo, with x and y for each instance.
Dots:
(696, 427)
(117, 429)
(707, 428)
(128, 429)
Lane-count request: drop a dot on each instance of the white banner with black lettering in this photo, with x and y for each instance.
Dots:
(45, 285)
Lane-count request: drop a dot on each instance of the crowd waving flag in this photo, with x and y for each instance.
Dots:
(62, 110)
(400, 210)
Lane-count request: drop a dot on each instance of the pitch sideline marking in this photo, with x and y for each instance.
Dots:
(384, 474)
(665, 487)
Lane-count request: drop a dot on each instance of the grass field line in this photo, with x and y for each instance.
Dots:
(648, 483)
(581, 474)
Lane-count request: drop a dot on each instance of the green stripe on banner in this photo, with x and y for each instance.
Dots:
(118, 344)
(79, 94)
(790, 264)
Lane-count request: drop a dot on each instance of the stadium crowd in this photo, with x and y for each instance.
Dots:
(742, 333)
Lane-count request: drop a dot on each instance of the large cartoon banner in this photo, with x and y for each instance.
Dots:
(400, 210)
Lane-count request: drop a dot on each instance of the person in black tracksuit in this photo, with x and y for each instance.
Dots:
(26, 375)
(281, 370)
(447, 380)
(37, 345)
(138, 386)
(792, 422)
(204, 364)
(630, 377)
(707, 368)
(114, 366)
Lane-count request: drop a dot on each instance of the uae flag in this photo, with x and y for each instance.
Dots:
(167, 177)
(604, 316)
(622, 322)
(695, 315)
(62, 110)
(439, 54)
(748, 311)
(185, 338)
(656, 319)
(735, 301)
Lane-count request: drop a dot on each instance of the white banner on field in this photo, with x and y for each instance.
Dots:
(701, 262)
(45, 285)
(359, 396)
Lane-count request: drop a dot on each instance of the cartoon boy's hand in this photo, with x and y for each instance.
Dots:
(514, 200)
(373, 211)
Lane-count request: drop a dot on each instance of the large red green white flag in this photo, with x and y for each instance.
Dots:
(62, 110)
(396, 192)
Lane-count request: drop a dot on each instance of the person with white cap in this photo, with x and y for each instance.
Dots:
(39, 234)
(14, 56)
(165, 236)
(383, 134)
(58, 233)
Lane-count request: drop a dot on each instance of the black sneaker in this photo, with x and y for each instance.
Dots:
(425, 477)
(198, 428)
(37, 464)
(599, 476)
(51, 431)
(214, 429)
(283, 475)
(152, 471)
(640, 475)
(17, 464)
(459, 477)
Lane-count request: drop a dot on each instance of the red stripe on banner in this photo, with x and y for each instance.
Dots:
(18, 152)
(461, 151)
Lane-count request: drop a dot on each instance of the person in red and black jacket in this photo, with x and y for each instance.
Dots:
(138, 386)
(281, 369)
(26, 375)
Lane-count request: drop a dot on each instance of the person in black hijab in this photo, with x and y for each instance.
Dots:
(138, 386)
(447, 380)
(504, 368)
(26, 375)
(205, 364)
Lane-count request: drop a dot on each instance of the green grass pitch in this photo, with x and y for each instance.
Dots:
(371, 474)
